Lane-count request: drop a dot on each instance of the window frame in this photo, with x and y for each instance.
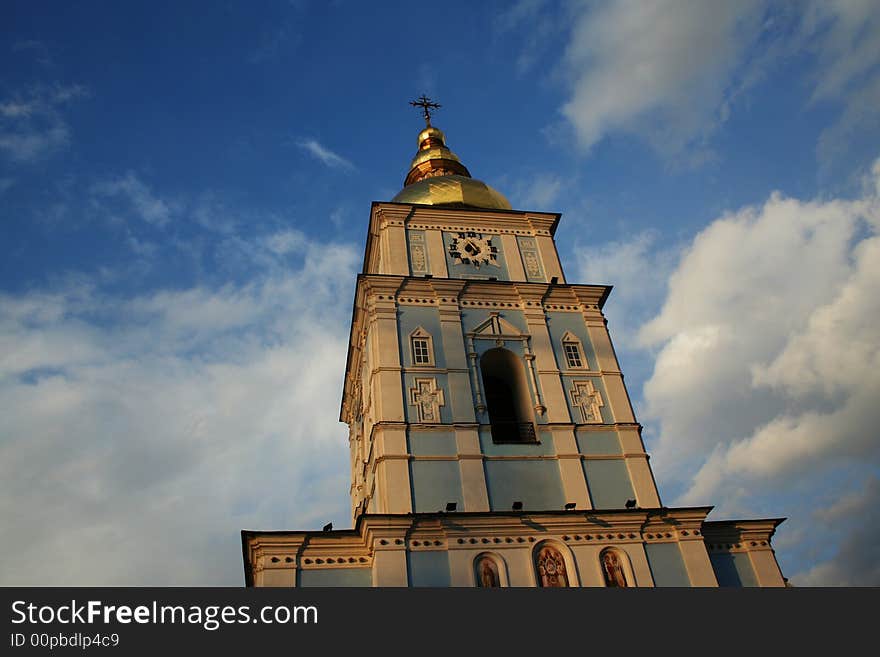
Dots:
(421, 334)
(569, 339)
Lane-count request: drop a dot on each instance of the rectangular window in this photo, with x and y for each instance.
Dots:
(573, 354)
(421, 351)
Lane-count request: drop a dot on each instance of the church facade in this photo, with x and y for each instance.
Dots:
(491, 436)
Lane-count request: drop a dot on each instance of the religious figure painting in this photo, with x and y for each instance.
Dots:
(612, 569)
(487, 573)
(551, 568)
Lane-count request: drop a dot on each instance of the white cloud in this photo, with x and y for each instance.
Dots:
(845, 34)
(136, 195)
(139, 436)
(31, 124)
(768, 356)
(767, 370)
(858, 117)
(856, 562)
(671, 71)
(211, 212)
(638, 268)
(324, 155)
(660, 69)
(288, 241)
(538, 192)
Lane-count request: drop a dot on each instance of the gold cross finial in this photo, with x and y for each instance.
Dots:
(427, 105)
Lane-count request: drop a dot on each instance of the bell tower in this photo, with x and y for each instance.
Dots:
(492, 440)
(476, 374)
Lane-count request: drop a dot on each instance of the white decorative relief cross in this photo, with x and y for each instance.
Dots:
(427, 398)
(588, 400)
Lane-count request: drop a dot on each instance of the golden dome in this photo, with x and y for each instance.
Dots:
(437, 177)
(452, 191)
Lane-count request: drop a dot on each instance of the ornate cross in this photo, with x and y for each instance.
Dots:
(588, 399)
(428, 399)
(427, 105)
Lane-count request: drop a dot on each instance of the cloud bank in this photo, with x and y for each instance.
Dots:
(141, 434)
(670, 71)
(767, 359)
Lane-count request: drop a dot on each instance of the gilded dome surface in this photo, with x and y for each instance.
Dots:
(437, 177)
(452, 191)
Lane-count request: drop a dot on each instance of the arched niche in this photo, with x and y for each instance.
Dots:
(508, 400)
(554, 566)
(616, 568)
(489, 571)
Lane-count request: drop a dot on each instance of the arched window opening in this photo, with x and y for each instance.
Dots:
(612, 569)
(550, 564)
(507, 397)
(486, 570)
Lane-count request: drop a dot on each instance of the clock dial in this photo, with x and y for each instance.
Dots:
(471, 248)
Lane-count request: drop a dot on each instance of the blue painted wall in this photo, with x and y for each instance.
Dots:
(335, 577)
(598, 442)
(558, 324)
(609, 483)
(409, 318)
(575, 413)
(411, 410)
(544, 448)
(428, 568)
(432, 443)
(733, 569)
(498, 268)
(667, 566)
(536, 483)
(434, 483)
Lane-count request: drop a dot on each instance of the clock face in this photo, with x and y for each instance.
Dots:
(472, 248)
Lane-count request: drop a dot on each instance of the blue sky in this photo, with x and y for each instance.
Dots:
(184, 195)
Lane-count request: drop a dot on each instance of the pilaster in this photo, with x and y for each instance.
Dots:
(461, 397)
(644, 486)
(392, 471)
(638, 559)
(395, 257)
(574, 484)
(386, 389)
(766, 568)
(436, 254)
(552, 266)
(696, 560)
(473, 476)
(512, 256)
(386, 539)
(545, 362)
